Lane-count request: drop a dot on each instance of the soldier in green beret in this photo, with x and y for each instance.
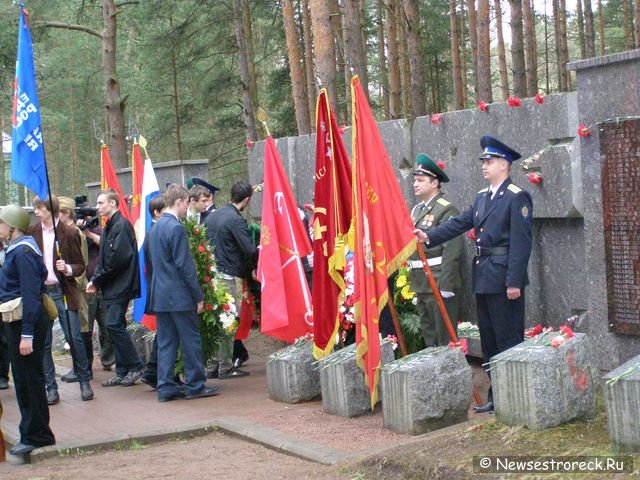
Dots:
(444, 260)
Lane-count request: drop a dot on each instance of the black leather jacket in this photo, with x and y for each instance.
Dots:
(117, 273)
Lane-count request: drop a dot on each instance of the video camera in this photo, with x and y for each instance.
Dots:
(88, 214)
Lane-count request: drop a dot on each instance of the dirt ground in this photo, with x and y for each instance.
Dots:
(440, 455)
(213, 456)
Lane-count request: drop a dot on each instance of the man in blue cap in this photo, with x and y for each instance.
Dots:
(501, 217)
(444, 260)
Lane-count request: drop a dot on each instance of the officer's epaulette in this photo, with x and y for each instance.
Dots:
(484, 190)
(514, 188)
(443, 202)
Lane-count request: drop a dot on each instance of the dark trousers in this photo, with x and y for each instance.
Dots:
(177, 329)
(501, 324)
(28, 378)
(127, 359)
(97, 314)
(70, 323)
(4, 356)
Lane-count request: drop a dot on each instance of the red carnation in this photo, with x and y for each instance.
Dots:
(201, 249)
(483, 106)
(207, 279)
(583, 131)
(514, 102)
(208, 307)
(471, 235)
(535, 178)
(196, 231)
(539, 98)
(566, 331)
(308, 207)
(436, 118)
(441, 164)
(226, 307)
(249, 144)
(532, 332)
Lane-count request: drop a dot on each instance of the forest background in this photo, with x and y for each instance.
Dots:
(189, 75)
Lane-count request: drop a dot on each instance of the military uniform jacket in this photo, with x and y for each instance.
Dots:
(501, 224)
(447, 271)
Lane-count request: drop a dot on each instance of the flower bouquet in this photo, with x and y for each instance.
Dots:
(219, 318)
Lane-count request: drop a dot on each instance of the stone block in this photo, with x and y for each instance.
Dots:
(622, 401)
(292, 375)
(540, 386)
(344, 392)
(474, 349)
(427, 390)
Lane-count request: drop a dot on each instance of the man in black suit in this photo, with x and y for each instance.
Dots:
(501, 216)
(177, 299)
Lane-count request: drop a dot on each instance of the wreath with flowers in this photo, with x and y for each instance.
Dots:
(218, 319)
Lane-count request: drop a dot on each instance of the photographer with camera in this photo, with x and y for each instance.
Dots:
(88, 222)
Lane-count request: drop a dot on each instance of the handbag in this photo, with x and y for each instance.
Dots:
(11, 310)
(50, 307)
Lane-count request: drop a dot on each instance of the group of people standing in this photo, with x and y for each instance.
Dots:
(45, 260)
(50, 262)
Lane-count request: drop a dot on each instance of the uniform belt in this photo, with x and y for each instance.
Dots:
(431, 261)
(486, 251)
(52, 286)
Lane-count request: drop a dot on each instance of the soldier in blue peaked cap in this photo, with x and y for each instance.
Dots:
(501, 217)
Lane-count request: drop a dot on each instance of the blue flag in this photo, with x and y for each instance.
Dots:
(28, 164)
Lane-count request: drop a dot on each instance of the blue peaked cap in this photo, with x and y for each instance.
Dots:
(494, 148)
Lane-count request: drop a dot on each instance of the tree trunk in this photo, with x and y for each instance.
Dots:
(405, 72)
(473, 38)
(546, 48)
(325, 53)
(354, 46)
(437, 104)
(580, 22)
(382, 59)
(308, 62)
(395, 101)
(590, 36)
(637, 15)
(248, 33)
(295, 69)
(114, 104)
(557, 34)
(484, 53)
(601, 27)
(245, 78)
(458, 97)
(517, 49)
(343, 90)
(531, 55)
(502, 56)
(417, 80)
(628, 25)
(176, 104)
(564, 47)
(463, 52)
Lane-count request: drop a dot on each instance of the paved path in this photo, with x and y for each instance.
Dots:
(118, 414)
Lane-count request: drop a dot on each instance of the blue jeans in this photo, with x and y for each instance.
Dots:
(179, 329)
(127, 359)
(70, 323)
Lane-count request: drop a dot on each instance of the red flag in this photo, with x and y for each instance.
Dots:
(286, 301)
(136, 177)
(332, 217)
(247, 312)
(383, 235)
(109, 179)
